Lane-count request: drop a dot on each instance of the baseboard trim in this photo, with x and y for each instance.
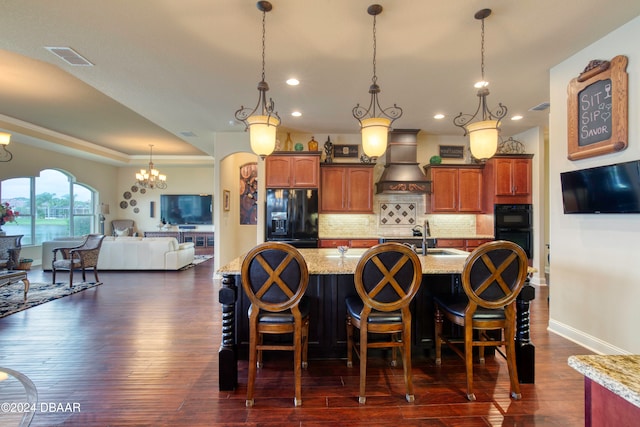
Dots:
(587, 341)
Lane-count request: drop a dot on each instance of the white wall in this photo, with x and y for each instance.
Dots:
(595, 282)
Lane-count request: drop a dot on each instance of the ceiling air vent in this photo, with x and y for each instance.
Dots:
(540, 107)
(70, 56)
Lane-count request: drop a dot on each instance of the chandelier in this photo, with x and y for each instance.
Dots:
(5, 139)
(375, 121)
(151, 178)
(483, 134)
(262, 121)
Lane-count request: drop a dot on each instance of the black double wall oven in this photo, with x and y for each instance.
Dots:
(514, 222)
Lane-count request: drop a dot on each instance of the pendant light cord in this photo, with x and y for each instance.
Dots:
(482, 50)
(374, 79)
(264, 16)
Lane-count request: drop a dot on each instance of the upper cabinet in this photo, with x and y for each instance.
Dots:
(295, 170)
(346, 188)
(508, 179)
(455, 188)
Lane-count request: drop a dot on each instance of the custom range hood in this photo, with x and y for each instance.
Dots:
(402, 172)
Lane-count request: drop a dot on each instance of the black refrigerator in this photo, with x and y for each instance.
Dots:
(292, 216)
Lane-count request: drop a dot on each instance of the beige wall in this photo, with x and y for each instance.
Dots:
(595, 282)
(110, 182)
(180, 180)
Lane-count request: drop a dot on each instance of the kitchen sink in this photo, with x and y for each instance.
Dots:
(344, 256)
(445, 252)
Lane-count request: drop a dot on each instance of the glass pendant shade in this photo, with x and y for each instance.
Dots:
(262, 134)
(5, 138)
(483, 138)
(375, 131)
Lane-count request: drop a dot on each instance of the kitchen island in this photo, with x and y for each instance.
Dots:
(612, 388)
(330, 282)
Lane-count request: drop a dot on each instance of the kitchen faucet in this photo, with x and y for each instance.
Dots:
(426, 232)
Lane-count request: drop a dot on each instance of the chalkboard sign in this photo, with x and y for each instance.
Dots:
(595, 113)
(597, 109)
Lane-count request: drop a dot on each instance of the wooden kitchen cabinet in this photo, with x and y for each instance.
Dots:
(455, 189)
(471, 244)
(508, 179)
(363, 243)
(352, 243)
(451, 243)
(346, 188)
(463, 244)
(285, 170)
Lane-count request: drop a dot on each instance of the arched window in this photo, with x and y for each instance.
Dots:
(50, 205)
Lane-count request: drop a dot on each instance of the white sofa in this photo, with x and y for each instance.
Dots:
(131, 253)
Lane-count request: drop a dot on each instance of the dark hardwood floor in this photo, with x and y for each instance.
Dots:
(141, 350)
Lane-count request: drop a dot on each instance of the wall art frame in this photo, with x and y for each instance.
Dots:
(226, 200)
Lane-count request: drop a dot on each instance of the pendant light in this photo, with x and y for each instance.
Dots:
(375, 121)
(5, 139)
(483, 134)
(262, 121)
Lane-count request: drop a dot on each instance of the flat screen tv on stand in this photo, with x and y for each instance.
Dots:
(186, 209)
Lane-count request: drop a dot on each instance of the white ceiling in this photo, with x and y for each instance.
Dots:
(166, 67)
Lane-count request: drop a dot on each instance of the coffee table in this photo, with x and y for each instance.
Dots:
(8, 277)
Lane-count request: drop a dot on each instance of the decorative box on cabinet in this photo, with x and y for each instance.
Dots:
(292, 170)
(455, 189)
(346, 188)
(508, 179)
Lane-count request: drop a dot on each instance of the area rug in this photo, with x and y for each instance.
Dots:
(198, 259)
(12, 296)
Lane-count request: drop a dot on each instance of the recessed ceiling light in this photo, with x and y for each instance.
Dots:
(296, 114)
(517, 117)
(293, 82)
(438, 116)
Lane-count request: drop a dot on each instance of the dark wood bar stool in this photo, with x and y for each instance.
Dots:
(492, 278)
(275, 278)
(387, 278)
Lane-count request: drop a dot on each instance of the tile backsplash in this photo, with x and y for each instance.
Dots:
(395, 215)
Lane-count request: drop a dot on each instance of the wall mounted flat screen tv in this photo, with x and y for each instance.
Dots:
(604, 189)
(186, 209)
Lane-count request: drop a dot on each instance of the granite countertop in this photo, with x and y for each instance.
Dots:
(619, 374)
(328, 261)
